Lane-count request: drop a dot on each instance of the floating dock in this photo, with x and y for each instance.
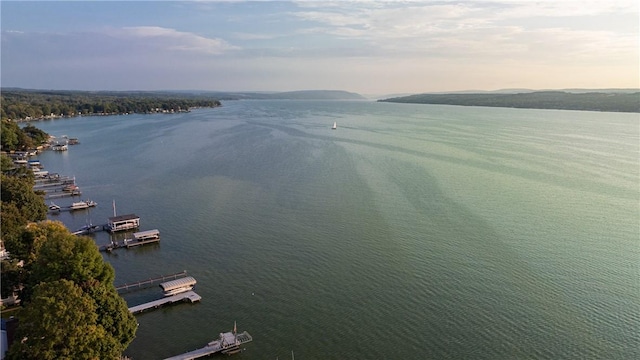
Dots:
(62, 194)
(139, 238)
(185, 296)
(228, 343)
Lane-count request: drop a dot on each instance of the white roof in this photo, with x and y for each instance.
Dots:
(146, 233)
(178, 283)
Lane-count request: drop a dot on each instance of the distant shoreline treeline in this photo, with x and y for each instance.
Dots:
(19, 104)
(559, 100)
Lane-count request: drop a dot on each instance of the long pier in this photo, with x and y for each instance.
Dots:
(151, 281)
(191, 296)
(62, 194)
(228, 343)
(126, 243)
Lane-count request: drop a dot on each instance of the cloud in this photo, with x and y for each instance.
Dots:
(405, 46)
(253, 36)
(172, 40)
(478, 29)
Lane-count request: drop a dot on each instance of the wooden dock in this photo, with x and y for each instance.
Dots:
(149, 282)
(127, 244)
(62, 194)
(228, 343)
(185, 296)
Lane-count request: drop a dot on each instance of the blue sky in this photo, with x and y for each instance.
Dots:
(369, 47)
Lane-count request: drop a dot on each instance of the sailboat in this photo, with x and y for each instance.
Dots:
(335, 126)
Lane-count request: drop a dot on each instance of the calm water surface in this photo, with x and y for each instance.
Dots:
(410, 232)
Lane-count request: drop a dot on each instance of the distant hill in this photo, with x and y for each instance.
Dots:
(289, 95)
(614, 100)
(219, 95)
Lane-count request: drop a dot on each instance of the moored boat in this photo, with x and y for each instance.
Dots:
(82, 205)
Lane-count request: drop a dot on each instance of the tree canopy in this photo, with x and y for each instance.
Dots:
(61, 323)
(14, 138)
(20, 205)
(19, 104)
(590, 101)
(67, 278)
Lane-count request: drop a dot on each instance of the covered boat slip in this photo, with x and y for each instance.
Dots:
(146, 235)
(143, 237)
(178, 285)
(139, 238)
(123, 222)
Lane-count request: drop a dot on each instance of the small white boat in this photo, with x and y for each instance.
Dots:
(54, 207)
(335, 126)
(82, 205)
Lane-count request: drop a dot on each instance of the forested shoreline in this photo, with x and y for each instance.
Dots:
(69, 306)
(22, 104)
(559, 100)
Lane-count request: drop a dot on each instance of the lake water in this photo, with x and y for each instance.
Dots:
(410, 232)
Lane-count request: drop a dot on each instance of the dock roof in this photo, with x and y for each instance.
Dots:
(146, 233)
(123, 217)
(178, 283)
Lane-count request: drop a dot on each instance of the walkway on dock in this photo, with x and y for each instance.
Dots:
(189, 295)
(217, 346)
(149, 282)
(62, 194)
(126, 243)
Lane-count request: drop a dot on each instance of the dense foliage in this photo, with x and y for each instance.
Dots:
(592, 101)
(61, 323)
(71, 309)
(18, 104)
(20, 205)
(84, 283)
(13, 138)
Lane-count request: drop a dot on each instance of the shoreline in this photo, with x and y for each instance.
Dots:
(55, 117)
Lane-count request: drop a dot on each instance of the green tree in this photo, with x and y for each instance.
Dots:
(13, 223)
(11, 276)
(62, 255)
(19, 190)
(37, 136)
(9, 138)
(61, 323)
(114, 315)
(7, 163)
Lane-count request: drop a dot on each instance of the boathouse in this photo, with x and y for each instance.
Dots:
(123, 222)
(147, 235)
(178, 286)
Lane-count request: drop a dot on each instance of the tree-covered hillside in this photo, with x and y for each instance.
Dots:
(20, 104)
(591, 101)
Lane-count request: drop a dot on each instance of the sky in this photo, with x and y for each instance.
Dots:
(368, 47)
